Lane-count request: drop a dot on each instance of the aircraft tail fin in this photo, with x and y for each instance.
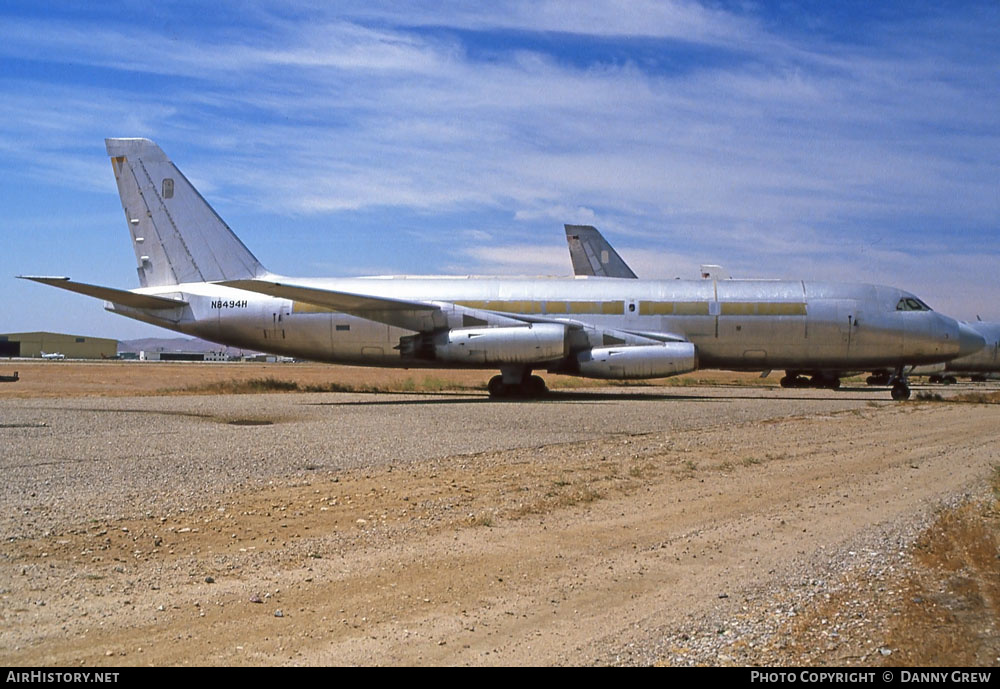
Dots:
(176, 235)
(593, 255)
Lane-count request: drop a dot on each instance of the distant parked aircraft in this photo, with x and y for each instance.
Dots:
(979, 366)
(53, 355)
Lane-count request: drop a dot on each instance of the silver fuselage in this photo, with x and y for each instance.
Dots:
(734, 324)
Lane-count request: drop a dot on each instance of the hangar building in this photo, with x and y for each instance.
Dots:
(72, 346)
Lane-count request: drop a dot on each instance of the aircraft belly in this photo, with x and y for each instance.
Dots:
(309, 335)
(761, 339)
(875, 343)
(358, 340)
(691, 326)
(245, 323)
(742, 342)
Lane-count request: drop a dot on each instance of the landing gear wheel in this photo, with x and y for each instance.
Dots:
(534, 386)
(880, 378)
(796, 381)
(530, 387)
(900, 391)
(822, 382)
(496, 387)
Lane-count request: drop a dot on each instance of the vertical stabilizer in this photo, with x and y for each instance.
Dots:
(176, 235)
(592, 255)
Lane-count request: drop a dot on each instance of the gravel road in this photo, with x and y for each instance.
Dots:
(656, 525)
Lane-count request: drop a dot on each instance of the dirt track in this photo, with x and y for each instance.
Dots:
(683, 525)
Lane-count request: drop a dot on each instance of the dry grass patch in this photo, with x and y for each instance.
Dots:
(943, 610)
(952, 611)
(235, 387)
(978, 397)
(963, 398)
(253, 386)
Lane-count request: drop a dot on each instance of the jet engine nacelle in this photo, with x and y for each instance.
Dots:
(527, 344)
(641, 361)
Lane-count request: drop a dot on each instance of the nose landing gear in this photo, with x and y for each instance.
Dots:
(900, 386)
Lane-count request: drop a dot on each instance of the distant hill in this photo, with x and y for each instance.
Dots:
(177, 344)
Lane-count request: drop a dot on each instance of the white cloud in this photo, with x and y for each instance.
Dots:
(515, 259)
(782, 155)
(685, 21)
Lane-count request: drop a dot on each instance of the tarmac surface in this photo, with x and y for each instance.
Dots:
(72, 459)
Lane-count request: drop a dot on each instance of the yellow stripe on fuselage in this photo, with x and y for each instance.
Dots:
(726, 308)
(303, 307)
(612, 308)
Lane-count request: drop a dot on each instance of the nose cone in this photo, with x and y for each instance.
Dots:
(969, 341)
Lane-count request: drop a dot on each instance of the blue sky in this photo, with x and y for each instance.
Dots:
(825, 141)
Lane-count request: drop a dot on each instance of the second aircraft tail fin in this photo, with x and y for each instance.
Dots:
(176, 235)
(593, 255)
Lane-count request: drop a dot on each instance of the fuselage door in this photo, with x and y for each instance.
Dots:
(278, 316)
(846, 315)
(830, 328)
(631, 308)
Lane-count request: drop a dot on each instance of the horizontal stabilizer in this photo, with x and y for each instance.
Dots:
(117, 296)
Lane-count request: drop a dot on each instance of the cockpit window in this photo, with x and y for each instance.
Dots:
(911, 304)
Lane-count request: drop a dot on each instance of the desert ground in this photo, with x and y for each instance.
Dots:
(298, 514)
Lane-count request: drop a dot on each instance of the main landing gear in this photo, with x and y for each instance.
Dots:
(514, 384)
(879, 378)
(793, 380)
(897, 379)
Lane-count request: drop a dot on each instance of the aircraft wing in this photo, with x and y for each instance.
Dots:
(412, 315)
(117, 296)
(431, 316)
(619, 333)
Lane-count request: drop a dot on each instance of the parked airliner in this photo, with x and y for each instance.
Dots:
(198, 278)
